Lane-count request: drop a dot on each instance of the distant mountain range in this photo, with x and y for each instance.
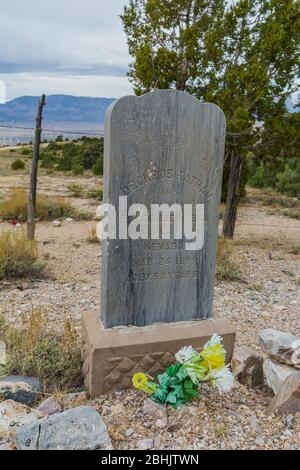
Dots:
(71, 110)
(60, 108)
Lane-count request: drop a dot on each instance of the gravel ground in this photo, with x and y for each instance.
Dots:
(267, 296)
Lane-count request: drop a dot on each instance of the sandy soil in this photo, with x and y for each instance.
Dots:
(267, 296)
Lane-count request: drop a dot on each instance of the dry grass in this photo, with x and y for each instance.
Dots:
(37, 350)
(93, 237)
(18, 256)
(16, 206)
(227, 268)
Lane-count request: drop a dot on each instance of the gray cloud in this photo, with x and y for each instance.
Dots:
(65, 38)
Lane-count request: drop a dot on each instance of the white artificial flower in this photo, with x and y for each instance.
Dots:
(185, 354)
(215, 339)
(222, 379)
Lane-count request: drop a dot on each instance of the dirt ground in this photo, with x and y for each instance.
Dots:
(268, 295)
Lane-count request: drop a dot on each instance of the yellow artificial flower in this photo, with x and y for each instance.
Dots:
(213, 357)
(141, 382)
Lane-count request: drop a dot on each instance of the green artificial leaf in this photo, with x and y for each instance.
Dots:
(190, 390)
(163, 379)
(181, 374)
(171, 398)
(174, 369)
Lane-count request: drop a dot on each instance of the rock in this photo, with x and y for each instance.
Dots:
(72, 400)
(8, 446)
(80, 428)
(50, 406)
(255, 425)
(285, 347)
(12, 416)
(161, 423)
(129, 432)
(56, 223)
(287, 399)
(259, 441)
(61, 403)
(69, 219)
(247, 366)
(145, 444)
(117, 409)
(24, 390)
(275, 374)
(289, 421)
(2, 357)
(156, 410)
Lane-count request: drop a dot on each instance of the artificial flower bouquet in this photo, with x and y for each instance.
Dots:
(180, 382)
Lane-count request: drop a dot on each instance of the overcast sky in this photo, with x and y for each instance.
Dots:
(73, 47)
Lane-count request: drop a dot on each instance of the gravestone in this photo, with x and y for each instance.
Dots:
(162, 148)
(165, 147)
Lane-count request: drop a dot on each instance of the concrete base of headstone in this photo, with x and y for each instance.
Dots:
(112, 356)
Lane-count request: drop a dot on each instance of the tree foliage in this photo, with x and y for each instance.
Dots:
(242, 55)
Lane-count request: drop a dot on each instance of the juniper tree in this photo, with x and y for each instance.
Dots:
(242, 55)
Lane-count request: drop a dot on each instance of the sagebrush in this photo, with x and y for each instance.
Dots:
(38, 350)
(18, 255)
(16, 207)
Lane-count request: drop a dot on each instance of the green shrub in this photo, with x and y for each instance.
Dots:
(95, 194)
(77, 169)
(18, 165)
(18, 256)
(75, 189)
(26, 151)
(98, 168)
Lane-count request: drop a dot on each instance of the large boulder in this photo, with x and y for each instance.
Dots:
(287, 399)
(12, 416)
(285, 347)
(275, 374)
(80, 428)
(24, 390)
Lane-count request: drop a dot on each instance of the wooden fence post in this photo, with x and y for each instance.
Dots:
(34, 169)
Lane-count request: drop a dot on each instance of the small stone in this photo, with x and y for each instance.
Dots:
(255, 425)
(156, 410)
(289, 421)
(50, 406)
(275, 374)
(69, 219)
(161, 423)
(24, 390)
(259, 441)
(79, 428)
(117, 409)
(72, 400)
(129, 432)
(56, 223)
(247, 366)
(287, 399)
(145, 444)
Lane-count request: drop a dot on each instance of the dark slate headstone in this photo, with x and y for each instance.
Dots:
(162, 147)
